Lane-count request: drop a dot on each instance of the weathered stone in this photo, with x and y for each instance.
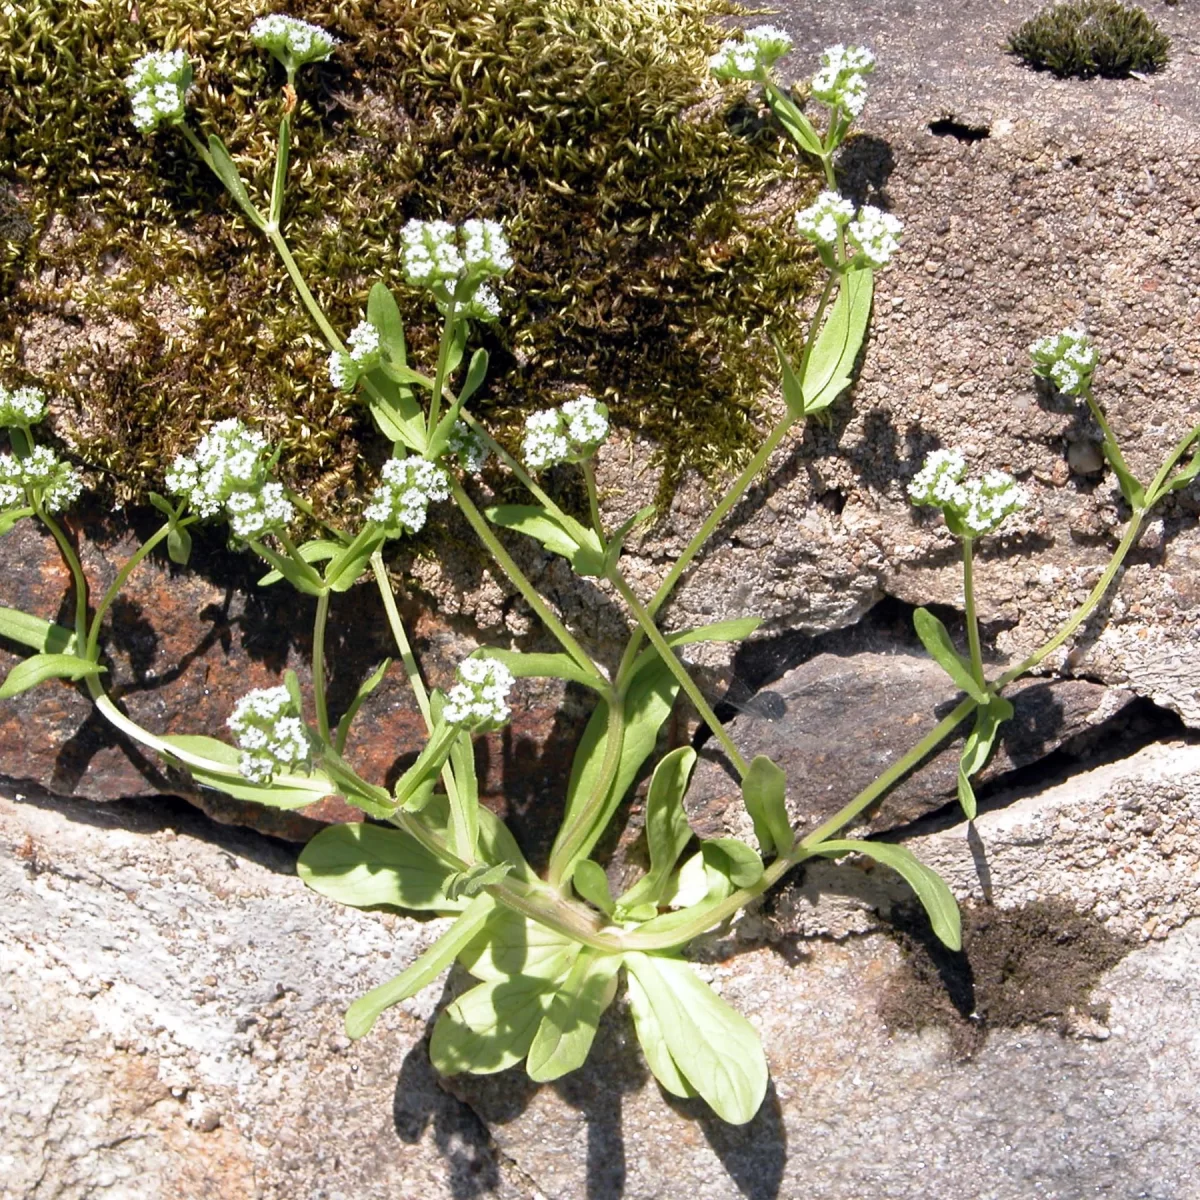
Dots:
(855, 1109)
(845, 719)
(172, 1012)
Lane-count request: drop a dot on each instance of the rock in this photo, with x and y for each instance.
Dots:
(847, 718)
(173, 997)
(1066, 1103)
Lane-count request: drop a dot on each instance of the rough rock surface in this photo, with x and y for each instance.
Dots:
(1108, 1109)
(172, 1014)
(172, 1007)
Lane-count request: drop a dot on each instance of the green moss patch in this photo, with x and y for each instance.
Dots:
(638, 203)
(1091, 37)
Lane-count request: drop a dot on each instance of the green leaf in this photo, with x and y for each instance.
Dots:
(1183, 477)
(580, 547)
(365, 688)
(616, 543)
(37, 634)
(936, 639)
(225, 170)
(31, 671)
(1134, 493)
(929, 886)
(715, 1048)
(476, 372)
(279, 181)
(566, 1032)
(348, 565)
(285, 791)
(763, 791)
(719, 631)
(311, 552)
(798, 127)
(364, 1012)
(541, 666)
(372, 799)
(429, 762)
(384, 314)
(793, 393)
(667, 828)
(831, 363)
(740, 863)
(590, 881)
(489, 1028)
(978, 747)
(497, 844)
(475, 880)
(395, 410)
(9, 519)
(179, 546)
(367, 865)
(288, 569)
(464, 809)
(648, 703)
(511, 944)
(653, 1041)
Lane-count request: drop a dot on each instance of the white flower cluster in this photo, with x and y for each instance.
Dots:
(484, 305)
(157, 87)
(821, 220)
(21, 406)
(1068, 358)
(409, 486)
(479, 698)
(569, 433)
(436, 255)
(876, 234)
(270, 735)
(972, 507)
(752, 56)
(40, 471)
(292, 41)
(840, 82)
(468, 447)
(363, 354)
(228, 470)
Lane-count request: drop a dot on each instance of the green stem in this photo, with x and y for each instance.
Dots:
(1084, 611)
(504, 560)
(411, 670)
(1098, 415)
(306, 297)
(307, 509)
(78, 577)
(719, 513)
(574, 835)
(589, 473)
(971, 618)
(528, 482)
(667, 654)
(294, 554)
(443, 363)
(318, 667)
(93, 638)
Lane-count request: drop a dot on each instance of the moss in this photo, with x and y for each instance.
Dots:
(630, 187)
(1091, 37)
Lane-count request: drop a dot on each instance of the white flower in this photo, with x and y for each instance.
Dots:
(343, 371)
(269, 733)
(468, 447)
(363, 342)
(971, 508)
(479, 698)
(485, 248)
(822, 220)
(840, 82)
(255, 514)
(484, 305)
(292, 41)
(409, 486)
(752, 56)
(21, 406)
(228, 471)
(41, 471)
(1068, 358)
(157, 87)
(876, 234)
(429, 253)
(567, 434)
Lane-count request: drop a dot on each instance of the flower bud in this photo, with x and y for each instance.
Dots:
(408, 487)
(270, 734)
(158, 86)
(478, 701)
(752, 56)
(293, 42)
(21, 406)
(840, 83)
